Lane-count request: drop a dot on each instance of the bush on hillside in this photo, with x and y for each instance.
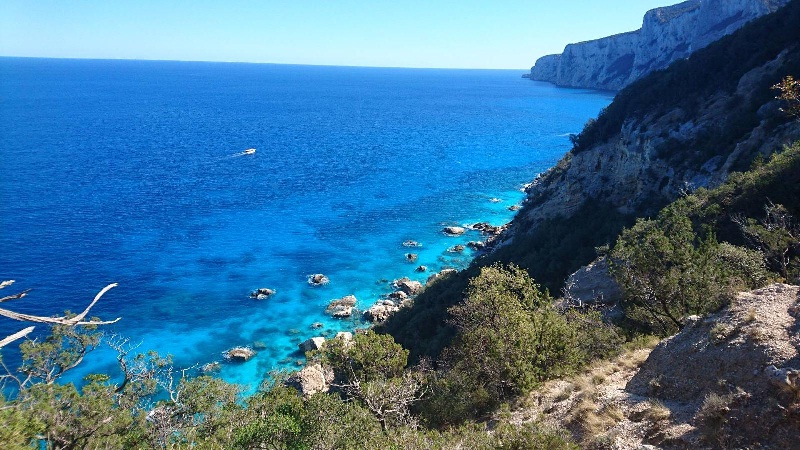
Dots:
(510, 338)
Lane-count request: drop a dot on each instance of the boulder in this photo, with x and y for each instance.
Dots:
(454, 231)
(514, 208)
(342, 307)
(408, 286)
(411, 257)
(486, 228)
(317, 325)
(398, 296)
(422, 269)
(344, 335)
(380, 312)
(476, 245)
(592, 284)
(262, 293)
(315, 343)
(239, 354)
(456, 249)
(311, 380)
(318, 279)
(411, 244)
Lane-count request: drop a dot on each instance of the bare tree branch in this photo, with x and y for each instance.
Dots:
(63, 320)
(18, 335)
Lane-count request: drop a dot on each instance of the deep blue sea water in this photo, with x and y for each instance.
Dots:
(124, 171)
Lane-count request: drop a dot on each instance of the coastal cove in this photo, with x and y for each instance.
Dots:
(133, 172)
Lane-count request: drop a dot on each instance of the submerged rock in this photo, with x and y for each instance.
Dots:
(318, 279)
(212, 367)
(317, 325)
(456, 249)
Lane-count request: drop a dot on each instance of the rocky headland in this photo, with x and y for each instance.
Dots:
(667, 35)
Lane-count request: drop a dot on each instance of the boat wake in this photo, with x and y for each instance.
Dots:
(249, 151)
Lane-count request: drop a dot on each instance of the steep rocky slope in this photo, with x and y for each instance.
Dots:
(674, 131)
(729, 380)
(667, 34)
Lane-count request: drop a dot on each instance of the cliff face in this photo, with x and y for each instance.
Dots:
(674, 131)
(667, 34)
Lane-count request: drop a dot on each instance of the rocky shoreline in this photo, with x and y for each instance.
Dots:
(479, 237)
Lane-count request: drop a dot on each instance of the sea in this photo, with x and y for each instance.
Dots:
(135, 172)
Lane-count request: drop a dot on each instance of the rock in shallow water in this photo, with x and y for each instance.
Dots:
(239, 354)
(342, 307)
(318, 279)
(454, 231)
(262, 293)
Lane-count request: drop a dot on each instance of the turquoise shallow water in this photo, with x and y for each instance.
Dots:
(124, 171)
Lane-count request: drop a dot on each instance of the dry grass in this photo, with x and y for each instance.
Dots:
(565, 392)
(656, 411)
(720, 333)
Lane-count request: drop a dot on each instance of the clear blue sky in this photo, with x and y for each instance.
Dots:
(460, 34)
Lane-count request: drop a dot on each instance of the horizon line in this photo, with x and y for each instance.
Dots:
(257, 63)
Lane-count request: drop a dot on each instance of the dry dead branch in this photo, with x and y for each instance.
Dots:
(63, 320)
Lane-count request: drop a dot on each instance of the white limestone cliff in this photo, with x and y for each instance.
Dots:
(667, 34)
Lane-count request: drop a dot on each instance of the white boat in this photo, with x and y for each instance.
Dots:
(249, 151)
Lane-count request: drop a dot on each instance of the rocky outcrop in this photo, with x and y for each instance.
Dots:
(454, 231)
(592, 284)
(745, 359)
(239, 354)
(262, 293)
(381, 311)
(311, 380)
(667, 34)
(318, 279)
(341, 308)
(408, 286)
(309, 345)
(440, 276)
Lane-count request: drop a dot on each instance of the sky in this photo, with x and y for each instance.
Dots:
(492, 34)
